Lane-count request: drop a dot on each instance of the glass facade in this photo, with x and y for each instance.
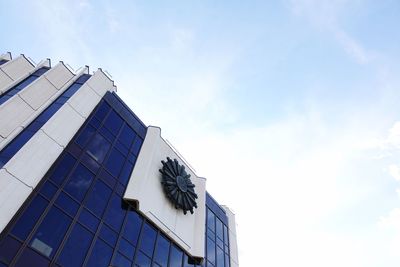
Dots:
(18, 142)
(76, 216)
(2, 61)
(17, 88)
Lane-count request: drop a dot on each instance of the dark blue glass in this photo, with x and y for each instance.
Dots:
(2, 61)
(107, 134)
(67, 204)
(95, 122)
(113, 122)
(122, 148)
(148, 239)
(27, 221)
(83, 78)
(142, 260)
(48, 113)
(89, 220)
(79, 182)
(102, 111)
(227, 264)
(71, 90)
(52, 230)
(48, 190)
(101, 254)
(136, 145)
(74, 251)
(30, 256)
(98, 198)
(220, 229)
(126, 173)
(226, 238)
(220, 257)
(108, 235)
(26, 82)
(127, 136)
(121, 261)
(126, 248)
(210, 220)
(8, 248)
(98, 147)
(132, 227)
(85, 135)
(114, 215)
(210, 250)
(63, 168)
(175, 257)
(40, 71)
(115, 162)
(162, 250)
(15, 145)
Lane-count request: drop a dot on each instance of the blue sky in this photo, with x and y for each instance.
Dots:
(293, 105)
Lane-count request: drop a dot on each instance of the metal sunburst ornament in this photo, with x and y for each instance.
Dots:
(177, 185)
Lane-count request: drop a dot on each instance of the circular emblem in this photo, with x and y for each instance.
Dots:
(177, 185)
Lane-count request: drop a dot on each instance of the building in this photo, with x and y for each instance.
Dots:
(84, 182)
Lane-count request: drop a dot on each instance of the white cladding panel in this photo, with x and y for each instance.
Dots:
(145, 187)
(17, 67)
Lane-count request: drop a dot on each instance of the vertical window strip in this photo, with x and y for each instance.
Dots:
(2, 61)
(23, 84)
(18, 142)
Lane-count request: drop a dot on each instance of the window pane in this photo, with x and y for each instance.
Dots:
(121, 261)
(162, 250)
(210, 220)
(148, 239)
(89, 220)
(48, 190)
(142, 260)
(101, 254)
(98, 147)
(8, 248)
(220, 257)
(132, 227)
(115, 213)
(98, 198)
(113, 122)
(127, 136)
(29, 217)
(102, 111)
(210, 251)
(126, 248)
(75, 249)
(226, 238)
(50, 233)
(108, 235)
(115, 162)
(29, 256)
(79, 182)
(126, 173)
(85, 135)
(63, 168)
(175, 258)
(220, 231)
(67, 204)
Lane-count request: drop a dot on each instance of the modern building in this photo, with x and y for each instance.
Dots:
(84, 182)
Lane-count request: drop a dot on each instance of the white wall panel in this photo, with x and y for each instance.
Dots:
(145, 188)
(234, 253)
(17, 67)
(12, 114)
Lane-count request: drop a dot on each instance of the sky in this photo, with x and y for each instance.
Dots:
(289, 108)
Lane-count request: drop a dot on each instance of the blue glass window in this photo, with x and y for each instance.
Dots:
(50, 233)
(115, 214)
(115, 162)
(8, 248)
(101, 254)
(126, 173)
(127, 136)
(113, 122)
(67, 204)
(210, 220)
(29, 256)
(75, 249)
(210, 250)
(30, 216)
(142, 260)
(102, 111)
(98, 147)
(63, 168)
(220, 257)
(175, 258)
(148, 239)
(108, 235)
(132, 227)
(79, 182)
(162, 250)
(121, 261)
(89, 220)
(126, 248)
(48, 190)
(220, 231)
(98, 198)
(85, 135)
